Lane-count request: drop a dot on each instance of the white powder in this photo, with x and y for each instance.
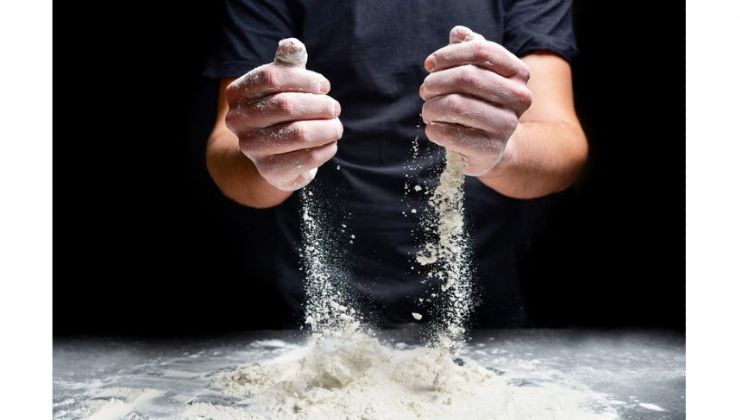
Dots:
(449, 255)
(649, 406)
(327, 308)
(116, 402)
(356, 377)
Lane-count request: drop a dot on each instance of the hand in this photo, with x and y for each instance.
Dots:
(473, 98)
(284, 119)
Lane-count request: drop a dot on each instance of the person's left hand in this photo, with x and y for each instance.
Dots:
(473, 98)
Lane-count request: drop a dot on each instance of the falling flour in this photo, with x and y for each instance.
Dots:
(327, 308)
(449, 255)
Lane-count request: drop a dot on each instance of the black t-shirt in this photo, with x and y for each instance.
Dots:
(373, 54)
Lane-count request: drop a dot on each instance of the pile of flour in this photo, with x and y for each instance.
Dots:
(355, 376)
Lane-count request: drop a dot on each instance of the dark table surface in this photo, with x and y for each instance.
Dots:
(641, 373)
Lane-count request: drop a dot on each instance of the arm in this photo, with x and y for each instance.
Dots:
(513, 120)
(548, 149)
(275, 127)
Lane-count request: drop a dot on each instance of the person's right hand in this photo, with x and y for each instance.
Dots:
(284, 119)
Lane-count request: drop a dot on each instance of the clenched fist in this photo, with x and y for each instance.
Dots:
(284, 119)
(473, 98)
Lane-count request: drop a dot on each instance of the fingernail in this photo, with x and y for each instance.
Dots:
(429, 63)
(337, 109)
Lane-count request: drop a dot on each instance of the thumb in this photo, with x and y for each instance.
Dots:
(291, 52)
(461, 33)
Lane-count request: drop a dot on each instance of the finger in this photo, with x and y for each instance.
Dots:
(482, 84)
(291, 52)
(462, 139)
(481, 151)
(471, 112)
(461, 33)
(485, 54)
(272, 78)
(285, 138)
(289, 169)
(282, 107)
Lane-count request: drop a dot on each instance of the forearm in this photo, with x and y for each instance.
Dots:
(236, 176)
(541, 158)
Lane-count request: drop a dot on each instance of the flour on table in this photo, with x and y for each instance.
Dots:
(114, 403)
(355, 376)
(652, 407)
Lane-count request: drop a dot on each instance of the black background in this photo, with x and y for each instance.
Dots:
(145, 244)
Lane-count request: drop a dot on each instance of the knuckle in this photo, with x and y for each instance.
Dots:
(267, 77)
(284, 104)
(333, 148)
(511, 121)
(522, 96)
(267, 168)
(247, 145)
(299, 132)
(494, 145)
(435, 133)
(231, 92)
(454, 104)
(335, 130)
(340, 129)
(335, 107)
(467, 76)
(231, 119)
(480, 51)
(525, 72)
(234, 120)
(425, 111)
(313, 157)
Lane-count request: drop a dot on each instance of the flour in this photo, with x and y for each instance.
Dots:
(327, 309)
(449, 255)
(114, 403)
(649, 406)
(355, 376)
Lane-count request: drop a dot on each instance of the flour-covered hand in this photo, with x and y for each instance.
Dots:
(284, 119)
(473, 98)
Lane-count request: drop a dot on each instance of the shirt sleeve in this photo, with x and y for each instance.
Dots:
(249, 36)
(536, 25)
